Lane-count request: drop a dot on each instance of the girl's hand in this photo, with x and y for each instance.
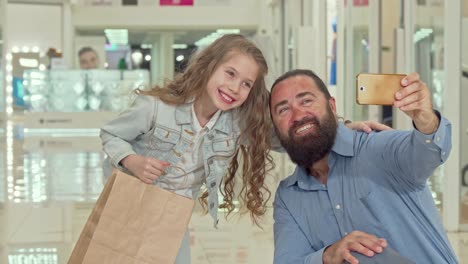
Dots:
(367, 126)
(147, 169)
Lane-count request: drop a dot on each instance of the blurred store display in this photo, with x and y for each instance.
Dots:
(81, 91)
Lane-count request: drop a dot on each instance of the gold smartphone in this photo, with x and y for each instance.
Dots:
(377, 89)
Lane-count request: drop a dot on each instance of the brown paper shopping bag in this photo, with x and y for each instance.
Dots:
(133, 223)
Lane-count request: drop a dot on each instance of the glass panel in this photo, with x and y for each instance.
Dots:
(356, 56)
(361, 64)
(332, 39)
(3, 178)
(79, 91)
(428, 39)
(464, 119)
(2, 91)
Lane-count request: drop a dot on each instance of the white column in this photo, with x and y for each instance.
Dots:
(3, 28)
(267, 37)
(162, 58)
(155, 60)
(167, 63)
(311, 38)
(348, 68)
(3, 25)
(319, 23)
(340, 59)
(68, 35)
(452, 110)
(295, 21)
(375, 40)
(400, 119)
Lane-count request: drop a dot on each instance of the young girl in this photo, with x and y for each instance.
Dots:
(191, 131)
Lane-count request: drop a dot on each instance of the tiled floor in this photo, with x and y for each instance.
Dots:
(48, 186)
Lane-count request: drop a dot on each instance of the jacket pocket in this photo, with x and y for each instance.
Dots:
(164, 139)
(224, 147)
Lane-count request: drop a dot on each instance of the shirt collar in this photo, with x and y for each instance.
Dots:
(222, 120)
(344, 142)
(344, 146)
(209, 125)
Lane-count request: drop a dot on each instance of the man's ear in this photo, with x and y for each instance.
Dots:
(332, 104)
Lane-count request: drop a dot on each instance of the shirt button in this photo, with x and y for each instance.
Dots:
(213, 184)
(428, 141)
(210, 162)
(211, 205)
(338, 207)
(210, 136)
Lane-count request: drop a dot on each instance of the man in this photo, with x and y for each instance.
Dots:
(355, 195)
(88, 58)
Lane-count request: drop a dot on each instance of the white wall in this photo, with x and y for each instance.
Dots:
(2, 10)
(239, 13)
(464, 46)
(34, 25)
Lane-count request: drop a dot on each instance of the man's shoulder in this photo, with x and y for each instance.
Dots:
(363, 138)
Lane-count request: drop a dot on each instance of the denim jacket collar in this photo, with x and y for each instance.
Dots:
(183, 114)
(223, 124)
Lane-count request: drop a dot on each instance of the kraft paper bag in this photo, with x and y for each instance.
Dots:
(133, 223)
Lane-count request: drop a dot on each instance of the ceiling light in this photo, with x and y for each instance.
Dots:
(179, 46)
(180, 58)
(117, 36)
(205, 41)
(146, 46)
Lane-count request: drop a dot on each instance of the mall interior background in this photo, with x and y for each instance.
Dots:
(51, 111)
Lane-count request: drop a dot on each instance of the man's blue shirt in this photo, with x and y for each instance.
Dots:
(376, 184)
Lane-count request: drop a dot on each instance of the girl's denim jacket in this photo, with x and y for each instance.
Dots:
(152, 128)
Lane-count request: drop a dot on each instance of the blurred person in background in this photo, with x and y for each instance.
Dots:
(88, 58)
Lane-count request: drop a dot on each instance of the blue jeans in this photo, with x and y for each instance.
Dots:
(183, 257)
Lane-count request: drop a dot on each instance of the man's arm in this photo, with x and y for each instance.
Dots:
(412, 156)
(431, 142)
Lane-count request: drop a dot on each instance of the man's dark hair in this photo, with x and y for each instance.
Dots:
(322, 87)
(86, 49)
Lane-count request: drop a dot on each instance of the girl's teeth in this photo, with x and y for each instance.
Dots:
(226, 97)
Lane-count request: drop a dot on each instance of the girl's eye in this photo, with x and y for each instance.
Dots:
(247, 84)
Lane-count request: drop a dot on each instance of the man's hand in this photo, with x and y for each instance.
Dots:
(367, 126)
(357, 241)
(147, 169)
(415, 100)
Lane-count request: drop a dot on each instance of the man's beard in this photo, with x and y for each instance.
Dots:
(308, 149)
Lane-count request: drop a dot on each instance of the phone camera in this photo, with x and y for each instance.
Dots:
(361, 88)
